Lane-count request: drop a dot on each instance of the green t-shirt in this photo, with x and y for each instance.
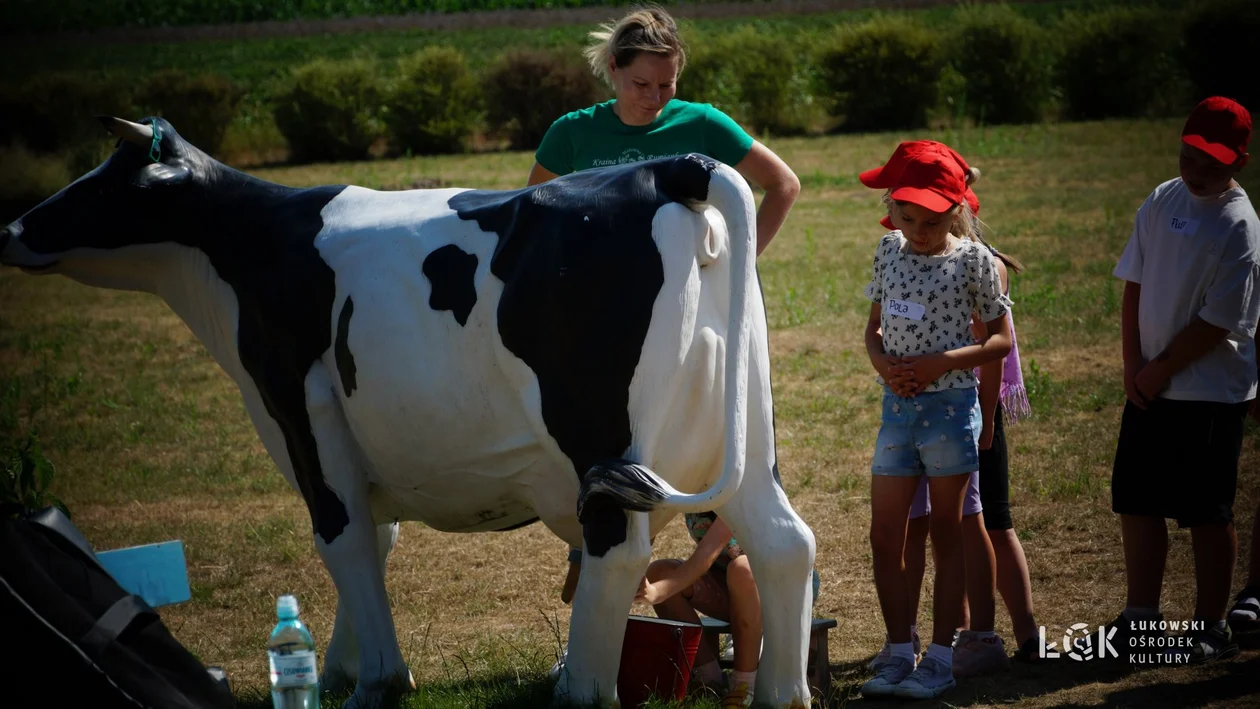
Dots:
(596, 137)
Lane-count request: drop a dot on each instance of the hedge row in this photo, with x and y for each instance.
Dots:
(990, 65)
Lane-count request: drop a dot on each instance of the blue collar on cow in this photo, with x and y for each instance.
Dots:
(155, 148)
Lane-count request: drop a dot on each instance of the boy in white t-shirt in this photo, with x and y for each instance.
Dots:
(1191, 305)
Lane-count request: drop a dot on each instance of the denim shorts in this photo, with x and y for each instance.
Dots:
(935, 433)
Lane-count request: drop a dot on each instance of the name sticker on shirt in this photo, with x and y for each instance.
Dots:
(906, 309)
(1189, 227)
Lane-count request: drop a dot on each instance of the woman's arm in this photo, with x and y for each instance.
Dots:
(687, 573)
(768, 171)
(540, 174)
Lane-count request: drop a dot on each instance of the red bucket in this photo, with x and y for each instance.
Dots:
(656, 659)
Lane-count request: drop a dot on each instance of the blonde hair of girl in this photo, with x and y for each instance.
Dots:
(646, 29)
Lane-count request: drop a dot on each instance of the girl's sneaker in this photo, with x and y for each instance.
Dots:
(1245, 615)
(930, 679)
(886, 651)
(888, 676)
(975, 656)
(738, 697)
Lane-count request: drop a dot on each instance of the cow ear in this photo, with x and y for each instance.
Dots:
(162, 175)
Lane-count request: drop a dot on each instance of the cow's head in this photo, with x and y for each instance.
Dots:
(127, 201)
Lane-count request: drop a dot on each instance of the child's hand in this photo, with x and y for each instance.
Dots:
(986, 437)
(647, 593)
(901, 382)
(1149, 383)
(923, 369)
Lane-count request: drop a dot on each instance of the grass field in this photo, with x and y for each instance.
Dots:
(151, 440)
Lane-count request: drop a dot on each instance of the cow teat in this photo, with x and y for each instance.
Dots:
(137, 133)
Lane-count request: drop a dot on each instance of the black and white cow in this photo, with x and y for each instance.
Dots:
(591, 352)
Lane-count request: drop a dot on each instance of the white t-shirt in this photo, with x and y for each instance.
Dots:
(926, 302)
(1197, 256)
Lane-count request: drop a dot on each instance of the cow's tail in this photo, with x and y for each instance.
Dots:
(632, 486)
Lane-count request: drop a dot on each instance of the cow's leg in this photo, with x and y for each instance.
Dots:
(341, 660)
(352, 556)
(615, 557)
(780, 549)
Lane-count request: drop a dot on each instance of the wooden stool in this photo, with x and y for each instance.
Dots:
(817, 664)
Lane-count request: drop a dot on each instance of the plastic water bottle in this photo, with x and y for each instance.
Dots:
(291, 649)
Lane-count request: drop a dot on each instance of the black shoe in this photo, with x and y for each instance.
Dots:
(1029, 652)
(1245, 615)
(1214, 643)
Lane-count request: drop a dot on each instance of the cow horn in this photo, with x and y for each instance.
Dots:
(136, 133)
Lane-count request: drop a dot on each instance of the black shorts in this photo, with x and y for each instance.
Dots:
(1178, 460)
(995, 479)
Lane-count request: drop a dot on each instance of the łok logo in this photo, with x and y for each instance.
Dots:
(1080, 650)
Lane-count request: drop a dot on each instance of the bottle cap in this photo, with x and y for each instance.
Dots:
(286, 607)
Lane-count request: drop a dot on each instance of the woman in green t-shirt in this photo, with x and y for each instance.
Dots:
(640, 57)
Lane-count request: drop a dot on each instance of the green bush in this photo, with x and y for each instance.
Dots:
(527, 90)
(1005, 63)
(882, 74)
(199, 106)
(57, 111)
(331, 110)
(1220, 56)
(435, 103)
(755, 77)
(1119, 62)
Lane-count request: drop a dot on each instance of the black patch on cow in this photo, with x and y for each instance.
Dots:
(341, 350)
(450, 270)
(260, 239)
(580, 273)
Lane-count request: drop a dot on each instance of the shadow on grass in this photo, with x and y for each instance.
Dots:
(498, 691)
(1223, 681)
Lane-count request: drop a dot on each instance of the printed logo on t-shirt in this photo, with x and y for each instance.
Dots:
(906, 309)
(1184, 225)
(629, 155)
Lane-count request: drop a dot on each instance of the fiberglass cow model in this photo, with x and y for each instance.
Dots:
(590, 352)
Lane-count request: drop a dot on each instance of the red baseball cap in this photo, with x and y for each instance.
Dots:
(933, 179)
(1219, 127)
(887, 175)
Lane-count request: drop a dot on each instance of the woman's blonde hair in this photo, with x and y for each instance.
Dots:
(968, 225)
(646, 29)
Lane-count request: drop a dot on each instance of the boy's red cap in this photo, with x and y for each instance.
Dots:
(1219, 127)
(888, 175)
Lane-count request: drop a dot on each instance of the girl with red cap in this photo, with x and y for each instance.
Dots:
(929, 278)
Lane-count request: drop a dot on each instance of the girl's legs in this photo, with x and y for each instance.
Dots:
(1014, 584)
(682, 606)
(916, 561)
(745, 614)
(978, 602)
(890, 504)
(946, 493)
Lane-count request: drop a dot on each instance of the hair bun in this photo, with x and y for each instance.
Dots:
(973, 176)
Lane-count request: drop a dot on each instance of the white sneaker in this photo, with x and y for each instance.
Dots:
(888, 675)
(975, 656)
(886, 651)
(929, 680)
